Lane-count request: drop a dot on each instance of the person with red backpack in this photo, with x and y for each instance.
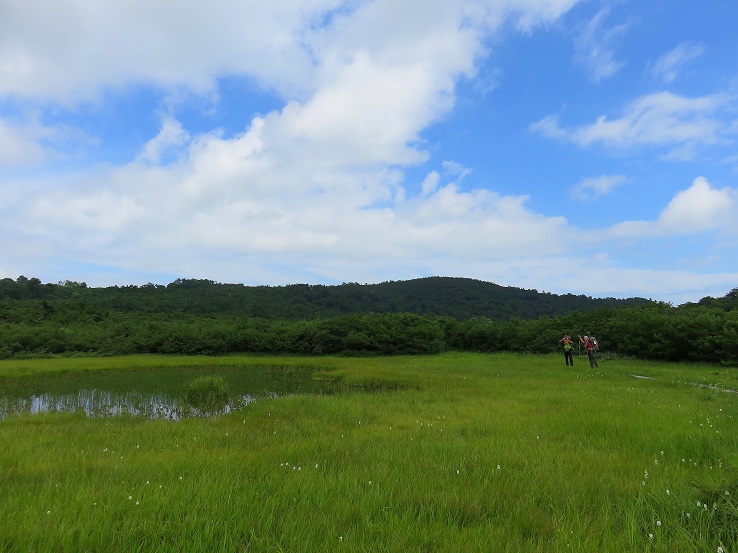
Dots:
(589, 345)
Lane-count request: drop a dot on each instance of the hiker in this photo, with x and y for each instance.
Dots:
(590, 347)
(568, 350)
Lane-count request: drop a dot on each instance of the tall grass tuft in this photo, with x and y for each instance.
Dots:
(207, 393)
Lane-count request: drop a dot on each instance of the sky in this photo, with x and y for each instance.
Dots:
(568, 146)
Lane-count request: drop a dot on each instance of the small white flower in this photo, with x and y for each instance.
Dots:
(650, 536)
(658, 523)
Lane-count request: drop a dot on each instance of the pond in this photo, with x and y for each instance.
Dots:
(152, 393)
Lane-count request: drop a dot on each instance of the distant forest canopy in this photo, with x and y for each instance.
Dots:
(420, 316)
(460, 298)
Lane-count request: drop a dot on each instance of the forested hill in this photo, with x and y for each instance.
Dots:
(460, 298)
(421, 316)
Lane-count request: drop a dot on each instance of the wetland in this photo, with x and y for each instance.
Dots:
(158, 392)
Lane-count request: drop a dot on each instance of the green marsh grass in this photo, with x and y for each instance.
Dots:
(207, 393)
(456, 452)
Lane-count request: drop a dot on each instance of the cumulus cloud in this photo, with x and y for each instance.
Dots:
(67, 51)
(233, 195)
(699, 208)
(659, 119)
(319, 179)
(170, 138)
(316, 188)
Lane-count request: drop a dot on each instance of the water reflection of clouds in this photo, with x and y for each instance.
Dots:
(101, 403)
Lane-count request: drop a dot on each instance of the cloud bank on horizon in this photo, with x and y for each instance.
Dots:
(562, 145)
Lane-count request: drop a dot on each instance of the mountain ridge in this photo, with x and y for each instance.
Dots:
(458, 297)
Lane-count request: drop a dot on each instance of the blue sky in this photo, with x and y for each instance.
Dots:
(586, 147)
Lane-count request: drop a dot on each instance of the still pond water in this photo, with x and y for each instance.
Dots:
(151, 393)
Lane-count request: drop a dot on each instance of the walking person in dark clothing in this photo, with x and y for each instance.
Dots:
(590, 347)
(568, 350)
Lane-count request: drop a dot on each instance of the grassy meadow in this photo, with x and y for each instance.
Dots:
(447, 453)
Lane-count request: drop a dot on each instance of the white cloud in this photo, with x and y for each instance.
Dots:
(170, 138)
(595, 187)
(67, 51)
(595, 49)
(360, 79)
(430, 183)
(455, 169)
(243, 203)
(667, 67)
(317, 186)
(670, 285)
(19, 146)
(659, 119)
(699, 208)
(319, 177)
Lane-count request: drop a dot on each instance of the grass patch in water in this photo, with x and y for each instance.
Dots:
(207, 393)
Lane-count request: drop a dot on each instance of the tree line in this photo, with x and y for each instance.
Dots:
(460, 298)
(704, 332)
